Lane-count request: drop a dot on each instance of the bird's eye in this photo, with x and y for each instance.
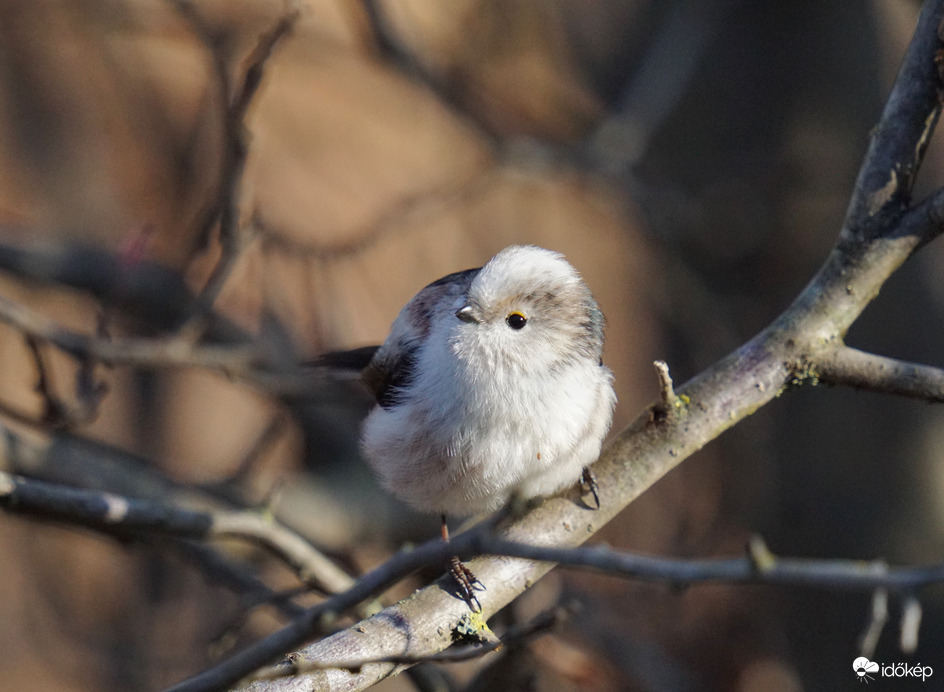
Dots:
(516, 320)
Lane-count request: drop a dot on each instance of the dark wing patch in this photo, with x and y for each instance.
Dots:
(389, 377)
(393, 368)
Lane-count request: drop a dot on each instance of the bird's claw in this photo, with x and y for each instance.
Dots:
(468, 584)
(588, 483)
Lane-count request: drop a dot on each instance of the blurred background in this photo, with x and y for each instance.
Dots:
(692, 159)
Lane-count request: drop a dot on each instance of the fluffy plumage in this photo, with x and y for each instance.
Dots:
(490, 383)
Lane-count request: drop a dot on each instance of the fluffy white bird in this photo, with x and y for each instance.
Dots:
(490, 384)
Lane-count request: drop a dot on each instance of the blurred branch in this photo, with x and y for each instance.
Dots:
(910, 624)
(235, 101)
(673, 56)
(255, 362)
(391, 48)
(124, 516)
(162, 352)
(267, 438)
(145, 292)
(403, 213)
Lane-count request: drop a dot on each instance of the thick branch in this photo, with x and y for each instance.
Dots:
(899, 141)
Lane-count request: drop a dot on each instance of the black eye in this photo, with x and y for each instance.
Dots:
(516, 320)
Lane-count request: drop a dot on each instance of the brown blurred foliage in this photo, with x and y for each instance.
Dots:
(394, 142)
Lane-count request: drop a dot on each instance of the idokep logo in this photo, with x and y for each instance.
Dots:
(867, 670)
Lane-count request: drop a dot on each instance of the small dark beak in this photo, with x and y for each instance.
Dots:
(467, 314)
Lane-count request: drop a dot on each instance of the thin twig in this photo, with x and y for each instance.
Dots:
(137, 351)
(236, 102)
(403, 213)
(854, 575)
(310, 564)
(247, 361)
(56, 412)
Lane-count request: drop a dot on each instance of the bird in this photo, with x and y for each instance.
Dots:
(490, 385)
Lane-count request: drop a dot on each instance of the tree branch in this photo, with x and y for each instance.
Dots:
(541, 624)
(123, 516)
(381, 656)
(854, 368)
(235, 103)
(254, 362)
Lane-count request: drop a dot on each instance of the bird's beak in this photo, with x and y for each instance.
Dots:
(467, 314)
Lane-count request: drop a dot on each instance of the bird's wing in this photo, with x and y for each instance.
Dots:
(393, 365)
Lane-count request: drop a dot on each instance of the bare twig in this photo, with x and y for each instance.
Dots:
(56, 412)
(662, 79)
(403, 213)
(234, 359)
(236, 102)
(833, 574)
(666, 389)
(391, 48)
(251, 362)
(123, 516)
(848, 366)
(670, 403)
(310, 564)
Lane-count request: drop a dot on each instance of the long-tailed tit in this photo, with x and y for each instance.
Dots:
(490, 384)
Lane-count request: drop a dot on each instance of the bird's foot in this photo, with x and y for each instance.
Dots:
(468, 584)
(588, 483)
